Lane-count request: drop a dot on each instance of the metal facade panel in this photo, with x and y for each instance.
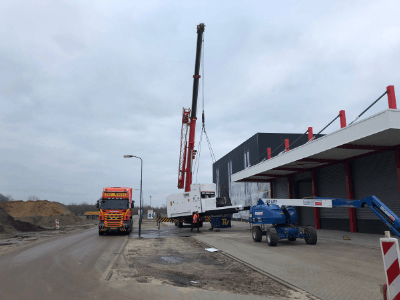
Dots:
(376, 175)
(280, 188)
(331, 182)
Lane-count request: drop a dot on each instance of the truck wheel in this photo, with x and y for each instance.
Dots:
(312, 235)
(180, 224)
(101, 232)
(272, 237)
(292, 239)
(257, 234)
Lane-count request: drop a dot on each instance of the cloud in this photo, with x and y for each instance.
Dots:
(82, 84)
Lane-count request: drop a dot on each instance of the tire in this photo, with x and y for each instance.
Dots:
(101, 232)
(180, 224)
(257, 234)
(292, 239)
(312, 235)
(272, 237)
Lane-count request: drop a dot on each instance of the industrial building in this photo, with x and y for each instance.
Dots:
(252, 151)
(356, 161)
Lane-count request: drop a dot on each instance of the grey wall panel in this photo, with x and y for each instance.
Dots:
(376, 175)
(331, 182)
(280, 188)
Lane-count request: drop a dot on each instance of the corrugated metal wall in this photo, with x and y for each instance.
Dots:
(376, 175)
(280, 188)
(331, 182)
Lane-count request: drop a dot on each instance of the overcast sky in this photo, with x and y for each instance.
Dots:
(84, 82)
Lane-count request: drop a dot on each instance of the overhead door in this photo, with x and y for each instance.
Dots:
(280, 188)
(376, 175)
(331, 182)
(304, 188)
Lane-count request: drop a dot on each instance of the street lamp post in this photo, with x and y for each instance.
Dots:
(140, 201)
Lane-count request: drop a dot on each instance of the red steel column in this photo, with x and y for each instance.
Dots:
(397, 160)
(287, 145)
(315, 194)
(350, 195)
(289, 181)
(310, 133)
(269, 153)
(391, 97)
(349, 181)
(342, 115)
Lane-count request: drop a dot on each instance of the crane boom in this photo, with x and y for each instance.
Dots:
(186, 151)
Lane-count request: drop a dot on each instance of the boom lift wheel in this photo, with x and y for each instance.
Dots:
(312, 235)
(272, 237)
(257, 234)
(101, 232)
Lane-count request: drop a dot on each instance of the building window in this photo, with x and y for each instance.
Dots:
(247, 159)
(229, 175)
(217, 180)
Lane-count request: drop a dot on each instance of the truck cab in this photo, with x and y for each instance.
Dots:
(115, 210)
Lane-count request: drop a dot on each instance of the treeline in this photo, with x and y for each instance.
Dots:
(81, 208)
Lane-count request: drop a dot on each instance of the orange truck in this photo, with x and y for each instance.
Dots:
(115, 210)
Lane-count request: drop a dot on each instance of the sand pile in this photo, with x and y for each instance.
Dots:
(22, 209)
(8, 224)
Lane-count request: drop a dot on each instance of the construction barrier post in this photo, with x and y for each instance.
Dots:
(390, 253)
(391, 97)
(269, 153)
(287, 145)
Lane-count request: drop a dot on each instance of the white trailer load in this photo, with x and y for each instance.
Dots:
(201, 198)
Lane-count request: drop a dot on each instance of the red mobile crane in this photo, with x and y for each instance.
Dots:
(187, 152)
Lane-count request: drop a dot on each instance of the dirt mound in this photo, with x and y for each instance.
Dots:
(8, 224)
(50, 221)
(31, 208)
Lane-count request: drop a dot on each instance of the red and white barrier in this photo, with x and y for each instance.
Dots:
(390, 252)
(57, 224)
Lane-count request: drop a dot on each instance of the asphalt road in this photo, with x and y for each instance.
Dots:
(69, 267)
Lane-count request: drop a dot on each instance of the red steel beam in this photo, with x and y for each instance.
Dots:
(391, 97)
(365, 147)
(254, 180)
(310, 133)
(342, 115)
(290, 169)
(315, 194)
(320, 160)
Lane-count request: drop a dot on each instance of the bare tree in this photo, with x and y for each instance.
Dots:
(3, 198)
(33, 198)
(10, 198)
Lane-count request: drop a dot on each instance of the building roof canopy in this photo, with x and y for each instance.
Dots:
(378, 133)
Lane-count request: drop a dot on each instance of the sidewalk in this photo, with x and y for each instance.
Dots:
(333, 269)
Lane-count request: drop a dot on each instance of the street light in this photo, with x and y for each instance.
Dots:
(140, 202)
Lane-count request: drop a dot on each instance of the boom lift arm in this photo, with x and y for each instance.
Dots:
(377, 206)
